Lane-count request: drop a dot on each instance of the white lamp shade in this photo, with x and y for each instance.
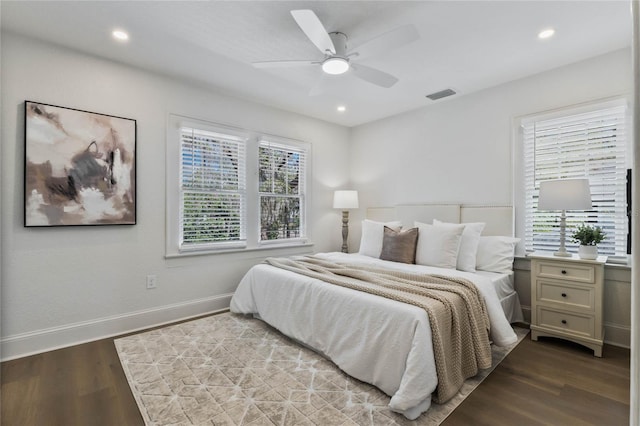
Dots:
(564, 194)
(345, 199)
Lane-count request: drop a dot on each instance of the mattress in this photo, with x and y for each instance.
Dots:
(374, 339)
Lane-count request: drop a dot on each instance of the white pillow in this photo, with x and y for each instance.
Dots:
(373, 235)
(438, 245)
(495, 254)
(468, 245)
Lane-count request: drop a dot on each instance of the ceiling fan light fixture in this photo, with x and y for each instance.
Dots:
(335, 65)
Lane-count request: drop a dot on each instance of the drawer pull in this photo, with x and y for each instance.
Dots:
(564, 294)
(564, 321)
(564, 272)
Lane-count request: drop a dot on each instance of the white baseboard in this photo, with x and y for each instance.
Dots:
(617, 335)
(34, 342)
(25, 344)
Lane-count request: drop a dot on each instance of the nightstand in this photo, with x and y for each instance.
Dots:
(566, 299)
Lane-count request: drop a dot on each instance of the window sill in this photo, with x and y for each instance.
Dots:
(275, 247)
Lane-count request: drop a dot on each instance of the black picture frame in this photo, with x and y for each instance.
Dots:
(79, 167)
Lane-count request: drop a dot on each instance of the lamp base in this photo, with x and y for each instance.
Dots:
(345, 231)
(562, 250)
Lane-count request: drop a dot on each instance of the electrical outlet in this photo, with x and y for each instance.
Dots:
(151, 282)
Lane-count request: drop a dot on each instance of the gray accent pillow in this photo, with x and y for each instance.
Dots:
(399, 246)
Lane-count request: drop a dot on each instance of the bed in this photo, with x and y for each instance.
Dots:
(377, 340)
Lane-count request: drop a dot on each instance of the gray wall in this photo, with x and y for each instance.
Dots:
(461, 150)
(62, 286)
(65, 285)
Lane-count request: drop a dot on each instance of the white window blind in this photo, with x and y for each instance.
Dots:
(212, 189)
(282, 187)
(589, 144)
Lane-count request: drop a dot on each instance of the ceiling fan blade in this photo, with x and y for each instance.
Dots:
(386, 42)
(374, 76)
(313, 28)
(281, 64)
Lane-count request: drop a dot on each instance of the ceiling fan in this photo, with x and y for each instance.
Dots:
(337, 58)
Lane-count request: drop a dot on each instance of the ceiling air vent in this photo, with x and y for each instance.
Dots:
(441, 94)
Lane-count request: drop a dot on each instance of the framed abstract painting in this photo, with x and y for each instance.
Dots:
(80, 167)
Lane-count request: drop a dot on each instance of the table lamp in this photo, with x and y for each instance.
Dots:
(564, 194)
(345, 200)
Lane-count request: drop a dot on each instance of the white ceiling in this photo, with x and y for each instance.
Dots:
(464, 45)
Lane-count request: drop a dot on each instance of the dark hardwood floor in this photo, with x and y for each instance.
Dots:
(80, 385)
(549, 382)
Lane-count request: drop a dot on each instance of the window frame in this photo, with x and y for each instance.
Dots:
(304, 149)
(520, 165)
(222, 136)
(252, 209)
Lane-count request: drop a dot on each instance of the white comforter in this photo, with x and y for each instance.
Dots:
(374, 339)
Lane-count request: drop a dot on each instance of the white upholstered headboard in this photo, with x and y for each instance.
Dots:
(498, 219)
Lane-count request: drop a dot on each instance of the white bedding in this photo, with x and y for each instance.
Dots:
(374, 339)
(503, 284)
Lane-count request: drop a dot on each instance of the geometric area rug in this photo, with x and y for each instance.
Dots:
(231, 369)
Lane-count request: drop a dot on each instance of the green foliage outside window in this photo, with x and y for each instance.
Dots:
(209, 217)
(279, 218)
(280, 198)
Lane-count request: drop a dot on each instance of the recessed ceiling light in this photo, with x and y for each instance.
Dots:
(546, 33)
(120, 35)
(341, 108)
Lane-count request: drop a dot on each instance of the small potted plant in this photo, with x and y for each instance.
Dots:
(588, 236)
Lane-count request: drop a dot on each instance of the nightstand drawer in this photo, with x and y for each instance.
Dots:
(583, 325)
(566, 271)
(574, 296)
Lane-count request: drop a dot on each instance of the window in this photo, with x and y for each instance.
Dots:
(212, 190)
(233, 189)
(282, 190)
(587, 142)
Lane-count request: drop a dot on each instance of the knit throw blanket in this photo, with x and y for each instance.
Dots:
(456, 310)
